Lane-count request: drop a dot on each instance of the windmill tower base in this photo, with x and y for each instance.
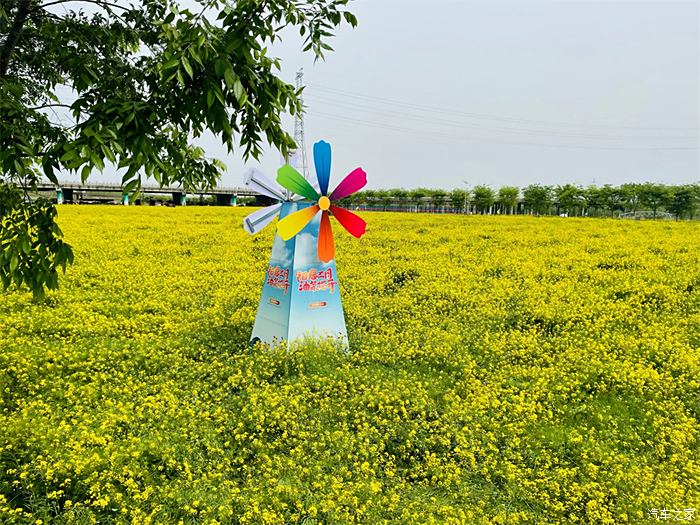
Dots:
(301, 294)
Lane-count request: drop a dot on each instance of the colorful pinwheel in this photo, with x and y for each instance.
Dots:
(292, 180)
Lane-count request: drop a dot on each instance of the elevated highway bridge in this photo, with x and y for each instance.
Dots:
(74, 192)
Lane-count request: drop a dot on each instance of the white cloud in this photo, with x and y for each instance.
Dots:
(281, 253)
(306, 251)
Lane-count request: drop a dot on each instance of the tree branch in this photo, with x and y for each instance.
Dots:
(99, 3)
(50, 106)
(13, 36)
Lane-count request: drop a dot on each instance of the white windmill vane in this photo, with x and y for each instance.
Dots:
(257, 181)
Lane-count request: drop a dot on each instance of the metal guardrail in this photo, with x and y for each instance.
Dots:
(646, 214)
(148, 188)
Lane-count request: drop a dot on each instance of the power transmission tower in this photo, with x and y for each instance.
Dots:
(300, 152)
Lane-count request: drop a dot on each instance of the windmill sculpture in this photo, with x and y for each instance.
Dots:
(301, 294)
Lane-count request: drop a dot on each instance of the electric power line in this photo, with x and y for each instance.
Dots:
(458, 138)
(483, 116)
(520, 131)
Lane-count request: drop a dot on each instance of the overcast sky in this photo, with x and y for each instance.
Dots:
(436, 93)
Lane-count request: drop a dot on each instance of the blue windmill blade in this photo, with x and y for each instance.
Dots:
(322, 161)
(257, 220)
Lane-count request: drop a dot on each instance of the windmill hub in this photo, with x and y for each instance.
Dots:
(324, 203)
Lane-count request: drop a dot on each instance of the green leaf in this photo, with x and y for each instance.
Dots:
(38, 293)
(187, 66)
(52, 280)
(97, 161)
(228, 132)
(195, 55)
(68, 155)
(131, 186)
(220, 66)
(108, 153)
(87, 81)
(48, 171)
(350, 19)
(239, 92)
(230, 78)
(219, 95)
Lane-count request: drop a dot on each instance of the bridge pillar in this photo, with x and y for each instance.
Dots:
(225, 199)
(179, 198)
(125, 199)
(65, 196)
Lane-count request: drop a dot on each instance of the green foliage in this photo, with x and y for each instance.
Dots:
(570, 198)
(437, 196)
(608, 200)
(652, 195)
(31, 249)
(246, 201)
(384, 197)
(612, 198)
(136, 84)
(483, 198)
(417, 195)
(10, 198)
(630, 194)
(508, 198)
(147, 79)
(458, 199)
(682, 201)
(398, 196)
(538, 198)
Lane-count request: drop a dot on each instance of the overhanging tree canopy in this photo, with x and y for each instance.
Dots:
(89, 82)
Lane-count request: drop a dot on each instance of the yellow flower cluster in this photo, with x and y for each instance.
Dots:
(508, 370)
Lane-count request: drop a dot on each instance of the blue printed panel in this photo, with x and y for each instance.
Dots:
(272, 320)
(316, 306)
(301, 294)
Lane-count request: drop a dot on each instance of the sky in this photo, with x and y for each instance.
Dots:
(453, 94)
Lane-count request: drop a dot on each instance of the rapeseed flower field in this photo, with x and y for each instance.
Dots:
(503, 370)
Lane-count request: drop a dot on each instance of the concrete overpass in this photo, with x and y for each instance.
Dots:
(71, 192)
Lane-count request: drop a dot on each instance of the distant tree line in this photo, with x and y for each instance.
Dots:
(633, 199)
